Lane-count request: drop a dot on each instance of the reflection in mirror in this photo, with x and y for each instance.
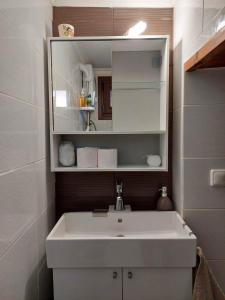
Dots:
(109, 85)
(76, 69)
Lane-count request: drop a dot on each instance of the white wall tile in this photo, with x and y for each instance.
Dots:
(22, 139)
(203, 99)
(26, 202)
(177, 77)
(18, 276)
(45, 224)
(211, 9)
(25, 194)
(218, 268)
(205, 87)
(209, 227)
(197, 190)
(204, 131)
(177, 162)
(45, 284)
(45, 183)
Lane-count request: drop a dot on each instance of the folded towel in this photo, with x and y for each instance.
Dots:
(205, 285)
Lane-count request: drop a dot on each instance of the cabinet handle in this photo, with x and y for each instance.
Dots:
(115, 275)
(130, 275)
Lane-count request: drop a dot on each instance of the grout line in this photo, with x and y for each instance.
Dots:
(215, 259)
(13, 98)
(203, 105)
(22, 167)
(203, 158)
(23, 232)
(204, 209)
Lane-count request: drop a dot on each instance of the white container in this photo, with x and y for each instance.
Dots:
(87, 157)
(107, 158)
(66, 154)
(154, 160)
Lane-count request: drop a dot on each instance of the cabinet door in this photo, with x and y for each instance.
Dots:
(157, 283)
(87, 284)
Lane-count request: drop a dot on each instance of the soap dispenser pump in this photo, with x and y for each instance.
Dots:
(164, 202)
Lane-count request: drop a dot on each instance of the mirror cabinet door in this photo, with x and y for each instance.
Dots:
(108, 85)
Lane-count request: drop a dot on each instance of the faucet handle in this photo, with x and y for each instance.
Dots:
(119, 187)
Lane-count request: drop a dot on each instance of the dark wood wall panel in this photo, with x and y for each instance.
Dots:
(159, 21)
(87, 21)
(88, 191)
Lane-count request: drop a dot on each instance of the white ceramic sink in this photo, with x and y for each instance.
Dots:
(123, 239)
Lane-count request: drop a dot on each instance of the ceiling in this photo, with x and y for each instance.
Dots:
(115, 3)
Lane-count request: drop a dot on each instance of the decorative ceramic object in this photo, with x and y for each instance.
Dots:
(66, 30)
(66, 154)
(154, 160)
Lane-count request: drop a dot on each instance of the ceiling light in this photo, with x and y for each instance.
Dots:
(137, 29)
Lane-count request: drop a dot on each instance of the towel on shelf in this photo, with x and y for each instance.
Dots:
(205, 285)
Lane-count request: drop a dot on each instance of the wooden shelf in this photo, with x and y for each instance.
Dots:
(122, 168)
(211, 55)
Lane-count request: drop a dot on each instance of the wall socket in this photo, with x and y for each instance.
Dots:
(217, 177)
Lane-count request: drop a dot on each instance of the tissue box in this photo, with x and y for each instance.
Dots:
(87, 157)
(107, 158)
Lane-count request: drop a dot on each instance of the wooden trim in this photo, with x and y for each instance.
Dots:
(104, 88)
(211, 55)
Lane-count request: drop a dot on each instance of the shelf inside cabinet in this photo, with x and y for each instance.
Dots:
(132, 150)
(120, 168)
(108, 132)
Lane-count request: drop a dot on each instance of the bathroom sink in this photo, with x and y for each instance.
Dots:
(137, 239)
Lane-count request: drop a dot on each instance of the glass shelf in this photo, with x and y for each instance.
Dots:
(87, 108)
(137, 85)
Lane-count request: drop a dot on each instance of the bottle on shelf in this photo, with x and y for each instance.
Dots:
(83, 100)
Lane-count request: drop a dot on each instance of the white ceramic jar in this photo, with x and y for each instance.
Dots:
(154, 160)
(66, 154)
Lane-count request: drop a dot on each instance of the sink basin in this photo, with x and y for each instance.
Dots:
(115, 239)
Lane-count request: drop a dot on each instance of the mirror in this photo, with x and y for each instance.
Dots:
(108, 85)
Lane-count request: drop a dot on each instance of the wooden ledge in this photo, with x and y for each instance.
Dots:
(211, 55)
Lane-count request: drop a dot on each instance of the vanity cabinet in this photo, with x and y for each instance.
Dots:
(122, 284)
(87, 284)
(157, 283)
(135, 119)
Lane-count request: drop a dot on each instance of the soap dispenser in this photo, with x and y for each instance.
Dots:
(164, 202)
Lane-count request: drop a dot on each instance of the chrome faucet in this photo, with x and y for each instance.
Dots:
(119, 199)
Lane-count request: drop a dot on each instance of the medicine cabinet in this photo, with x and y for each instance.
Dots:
(129, 111)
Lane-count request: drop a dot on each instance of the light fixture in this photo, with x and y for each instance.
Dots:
(137, 29)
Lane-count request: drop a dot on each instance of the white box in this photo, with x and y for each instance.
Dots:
(87, 157)
(107, 158)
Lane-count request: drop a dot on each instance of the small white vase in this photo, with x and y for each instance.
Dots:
(66, 154)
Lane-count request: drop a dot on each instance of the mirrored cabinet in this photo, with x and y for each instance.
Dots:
(110, 93)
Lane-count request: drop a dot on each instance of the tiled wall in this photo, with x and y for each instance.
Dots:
(26, 187)
(199, 130)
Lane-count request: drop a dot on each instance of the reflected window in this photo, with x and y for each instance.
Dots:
(60, 98)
